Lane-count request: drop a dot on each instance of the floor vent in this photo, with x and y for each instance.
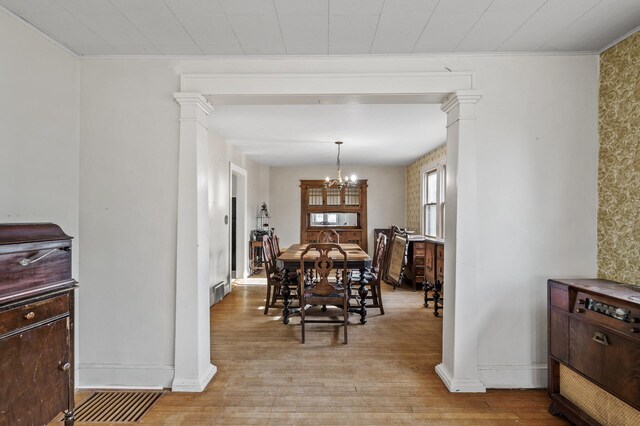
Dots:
(115, 407)
(218, 292)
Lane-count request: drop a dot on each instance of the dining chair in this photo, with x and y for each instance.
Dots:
(275, 239)
(374, 275)
(275, 275)
(318, 286)
(328, 236)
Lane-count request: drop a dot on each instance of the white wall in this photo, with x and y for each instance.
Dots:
(537, 153)
(38, 133)
(128, 211)
(385, 197)
(220, 154)
(38, 130)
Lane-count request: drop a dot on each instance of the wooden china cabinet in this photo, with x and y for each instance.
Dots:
(342, 209)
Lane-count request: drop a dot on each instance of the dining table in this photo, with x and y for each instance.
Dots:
(357, 260)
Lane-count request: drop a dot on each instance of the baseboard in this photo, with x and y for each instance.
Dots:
(459, 385)
(124, 376)
(196, 384)
(513, 376)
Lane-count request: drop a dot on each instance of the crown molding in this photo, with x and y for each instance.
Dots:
(619, 39)
(40, 32)
(371, 56)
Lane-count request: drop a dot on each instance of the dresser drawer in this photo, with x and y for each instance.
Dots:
(32, 313)
(606, 357)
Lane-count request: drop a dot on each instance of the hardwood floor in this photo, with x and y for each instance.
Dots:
(384, 375)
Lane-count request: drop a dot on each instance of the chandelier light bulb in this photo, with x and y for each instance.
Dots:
(327, 178)
(346, 178)
(353, 178)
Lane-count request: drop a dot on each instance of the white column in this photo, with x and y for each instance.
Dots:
(459, 367)
(193, 368)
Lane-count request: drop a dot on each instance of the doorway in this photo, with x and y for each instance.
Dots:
(455, 92)
(238, 234)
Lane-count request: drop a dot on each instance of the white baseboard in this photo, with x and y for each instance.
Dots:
(459, 385)
(196, 384)
(513, 376)
(124, 376)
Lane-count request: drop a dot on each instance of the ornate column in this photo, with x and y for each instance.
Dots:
(459, 367)
(193, 368)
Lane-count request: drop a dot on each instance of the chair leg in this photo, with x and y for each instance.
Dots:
(379, 293)
(346, 320)
(302, 323)
(274, 295)
(267, 301)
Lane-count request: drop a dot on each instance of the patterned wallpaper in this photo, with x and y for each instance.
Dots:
(412, 186)
(619, 163)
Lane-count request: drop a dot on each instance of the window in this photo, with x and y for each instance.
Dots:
(433, 198)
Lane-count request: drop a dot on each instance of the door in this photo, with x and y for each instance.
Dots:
(31, 374)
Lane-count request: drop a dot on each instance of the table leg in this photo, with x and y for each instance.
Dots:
(426, 287)
(362, 292)
(285, 291)
(436, 298)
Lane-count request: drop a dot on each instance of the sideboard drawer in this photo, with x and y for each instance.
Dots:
(606, 357)
(32, 313)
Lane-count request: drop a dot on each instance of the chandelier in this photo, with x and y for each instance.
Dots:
(340, 181)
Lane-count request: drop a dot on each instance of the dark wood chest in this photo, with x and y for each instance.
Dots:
(36, 324)
(594, 351)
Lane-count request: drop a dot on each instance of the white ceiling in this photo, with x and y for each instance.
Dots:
(296, 135)
(321, 27)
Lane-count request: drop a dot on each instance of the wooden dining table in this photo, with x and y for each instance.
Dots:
(357, 259)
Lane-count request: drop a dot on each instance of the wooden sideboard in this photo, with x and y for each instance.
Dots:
(594, 351)
(36, 324)
(318, 200)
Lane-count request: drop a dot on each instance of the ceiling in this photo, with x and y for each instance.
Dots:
(321, 27)
(298, 135)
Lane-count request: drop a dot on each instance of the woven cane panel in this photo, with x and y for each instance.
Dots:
(596, 402)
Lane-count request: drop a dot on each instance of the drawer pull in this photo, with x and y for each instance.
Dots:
(634, 330)
(579, 310)
(65, 367)
(600, 338)
(30, 315)
(27, 262)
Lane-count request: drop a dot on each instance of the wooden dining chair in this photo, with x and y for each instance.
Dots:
(328, 236)
(318, 286)
(274, 274)
(374, 275)
(275, 239)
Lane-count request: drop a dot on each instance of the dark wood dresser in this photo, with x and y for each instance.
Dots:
(425, 268)
(594, 351)
(36, 324)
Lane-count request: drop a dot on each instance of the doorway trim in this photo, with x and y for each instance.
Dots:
(242, 234)
(456, 93)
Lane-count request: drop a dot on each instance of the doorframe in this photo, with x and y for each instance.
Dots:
(456, 94)
(242, 233)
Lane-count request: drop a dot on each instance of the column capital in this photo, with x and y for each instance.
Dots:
(461, 97)
(193, 99)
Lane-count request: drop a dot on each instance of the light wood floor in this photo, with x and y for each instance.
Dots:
(384, 375)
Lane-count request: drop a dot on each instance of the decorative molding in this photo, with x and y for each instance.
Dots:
(195, 99)
(410, 83)
(461, 97)
(619, 39)
(124, 376)
(513, 376)
(374, 57)
(196, 384)
(459, 385)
